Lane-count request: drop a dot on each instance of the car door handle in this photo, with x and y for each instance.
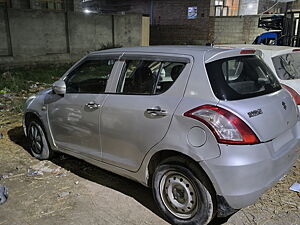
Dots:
(92, 105)
(156, 111)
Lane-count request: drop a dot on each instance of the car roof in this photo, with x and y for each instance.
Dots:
(181, 49)
(271, 50)
(259, 47)
(209, 52)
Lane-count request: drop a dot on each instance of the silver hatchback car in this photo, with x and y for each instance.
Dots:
(208, 129)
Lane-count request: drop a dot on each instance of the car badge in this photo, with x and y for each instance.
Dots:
(255, 113)
(283, 105)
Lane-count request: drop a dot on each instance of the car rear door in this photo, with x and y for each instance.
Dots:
(138, 114)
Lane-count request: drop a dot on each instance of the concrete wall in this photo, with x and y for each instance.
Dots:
(3, 34)
(89, 31)
(78, 5)
(234, 30)
(34, 36)
(36, 33)
(128, 27)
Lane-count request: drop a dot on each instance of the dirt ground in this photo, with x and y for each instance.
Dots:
(69, 191)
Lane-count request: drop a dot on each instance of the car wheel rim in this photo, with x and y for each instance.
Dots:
(179, 195)
(36, 139)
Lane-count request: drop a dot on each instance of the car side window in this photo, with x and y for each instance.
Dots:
(169, 73)
(90, 77)
(139, 77)
(148, 77)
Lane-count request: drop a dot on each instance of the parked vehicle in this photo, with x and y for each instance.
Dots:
(284, 61)
(282, 29)
(269, 38)
(208, 129)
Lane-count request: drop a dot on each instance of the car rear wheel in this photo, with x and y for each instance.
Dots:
(38, 142)
(181, 196)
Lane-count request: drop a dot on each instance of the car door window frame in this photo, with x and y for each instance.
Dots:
(113, 74)
(147, 57)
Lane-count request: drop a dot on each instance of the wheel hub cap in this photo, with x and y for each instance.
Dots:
(178, 195)
(36, 139)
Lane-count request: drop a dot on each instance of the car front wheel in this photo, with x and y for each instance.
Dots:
(181, 196)
(38, 142)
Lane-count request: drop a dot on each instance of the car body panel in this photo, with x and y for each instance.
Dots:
(128, 132)
(74, 125)
(243, 173)
(277, 105)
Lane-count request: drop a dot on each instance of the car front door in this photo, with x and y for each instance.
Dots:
(138, 114)
(74, 117)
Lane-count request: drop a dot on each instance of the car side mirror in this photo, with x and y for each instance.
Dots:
(59, 87)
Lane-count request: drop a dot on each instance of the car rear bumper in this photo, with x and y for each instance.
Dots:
(243, 173)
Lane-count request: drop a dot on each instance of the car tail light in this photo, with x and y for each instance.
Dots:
(246, 52)
(294, 93)
(296, 50)
(227, 127)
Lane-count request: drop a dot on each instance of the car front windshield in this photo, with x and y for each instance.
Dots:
(287, 66)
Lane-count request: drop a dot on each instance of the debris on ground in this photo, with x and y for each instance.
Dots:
(45, 168)
(63, 194)
(5, 176)
(33, 86)
(61, 175)
(296, 188)
(3, 194)
(31, 172)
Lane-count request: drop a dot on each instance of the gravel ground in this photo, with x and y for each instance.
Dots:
(69, 191)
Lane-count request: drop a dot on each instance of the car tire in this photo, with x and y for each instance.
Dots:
(181, 196)
(39, 146)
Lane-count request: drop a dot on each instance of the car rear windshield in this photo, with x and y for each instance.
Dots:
(241, 77)
(287, 66)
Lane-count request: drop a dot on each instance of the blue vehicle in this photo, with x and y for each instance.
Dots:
(269, 38)
(284, 30)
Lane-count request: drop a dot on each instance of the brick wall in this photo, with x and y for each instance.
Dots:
(179, 34)
(217, 30)
(171, 25)
(171, 12)
(116, 6)
(139, 6)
